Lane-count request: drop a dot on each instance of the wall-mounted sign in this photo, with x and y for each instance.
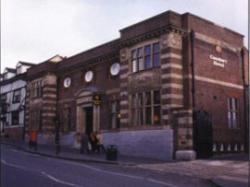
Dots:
(217, 61)
(97, 100)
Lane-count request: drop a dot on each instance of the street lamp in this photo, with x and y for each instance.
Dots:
(57, 134)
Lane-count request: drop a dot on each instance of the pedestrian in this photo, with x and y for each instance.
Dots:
(33, 139)
(93, 141)
(100, 146)
(84, 144)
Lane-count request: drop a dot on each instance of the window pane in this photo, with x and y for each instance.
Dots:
(141, 116)
(113, 107)
(16, 96)
(233, 104)
(230, 119)
(134, 101)
(133, 54)
(157, 115)
(228, 104)
(148, 115)
(15, 118)
(140, 99)
(156, 47)
(134, 66)
(147, 62)
(236, 103)
(139, 52)
(157, 99)
(141, 65)
(234, 125)
(156, 60)
(147, 50)
(3, 98)
(133, 116)
(148, 98)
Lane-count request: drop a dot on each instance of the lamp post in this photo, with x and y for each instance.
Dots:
(57, 135)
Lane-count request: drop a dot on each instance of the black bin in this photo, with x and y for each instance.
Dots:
(111, 153)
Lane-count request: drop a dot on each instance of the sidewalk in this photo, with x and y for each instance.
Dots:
(72, 154)
(224, 170)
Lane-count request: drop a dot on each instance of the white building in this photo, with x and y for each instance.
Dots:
(12, 99)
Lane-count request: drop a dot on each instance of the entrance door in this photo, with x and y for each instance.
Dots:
(203, 134)
(88, 120)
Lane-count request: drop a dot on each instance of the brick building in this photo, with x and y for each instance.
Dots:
(170, 86)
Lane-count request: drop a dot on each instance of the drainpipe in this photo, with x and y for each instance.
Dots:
(245, 120)
(57, 100)
(24, 112)
(192, 69)
(192, 38)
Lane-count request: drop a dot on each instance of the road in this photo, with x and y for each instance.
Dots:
(19, 169)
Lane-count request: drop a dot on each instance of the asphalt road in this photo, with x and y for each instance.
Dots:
(21, 169)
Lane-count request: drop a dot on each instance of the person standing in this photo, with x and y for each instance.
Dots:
(93, 141)
(100, 146)
(33, 139)
(84, 143)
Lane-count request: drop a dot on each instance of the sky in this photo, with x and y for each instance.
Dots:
(34, 31)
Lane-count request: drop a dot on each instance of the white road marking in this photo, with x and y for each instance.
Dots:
(14, 165)
(58, 180)
(92, 168)
(161, 182)
(123, 175)
(42, 173)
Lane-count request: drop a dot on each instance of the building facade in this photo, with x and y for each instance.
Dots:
(12, 93)
(170, 86)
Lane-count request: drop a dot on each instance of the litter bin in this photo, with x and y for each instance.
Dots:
(111, 153)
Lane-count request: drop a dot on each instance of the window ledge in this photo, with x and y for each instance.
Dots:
(12, 126)
(138, 128)
(145, 70)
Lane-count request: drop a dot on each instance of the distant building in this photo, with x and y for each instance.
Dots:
(12, 95)
(171, 86)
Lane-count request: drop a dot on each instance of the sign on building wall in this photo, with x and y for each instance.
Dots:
(97, 100)
(217, 61)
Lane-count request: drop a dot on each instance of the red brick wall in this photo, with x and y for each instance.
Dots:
(209, 28)
(14, 133)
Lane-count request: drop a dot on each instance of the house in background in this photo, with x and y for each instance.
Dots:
(12, 95)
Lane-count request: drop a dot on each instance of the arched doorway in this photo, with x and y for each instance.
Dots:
(87, 114)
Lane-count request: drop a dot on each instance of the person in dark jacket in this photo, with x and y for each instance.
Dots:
(93, 141)
(84, 143)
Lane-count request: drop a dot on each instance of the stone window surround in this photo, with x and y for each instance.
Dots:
(139, 45)
(13, 117)
(36, 88)
(143, 107)
(16, 98)
(233, 109)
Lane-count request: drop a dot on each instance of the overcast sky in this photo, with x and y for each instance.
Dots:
(34, 31)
